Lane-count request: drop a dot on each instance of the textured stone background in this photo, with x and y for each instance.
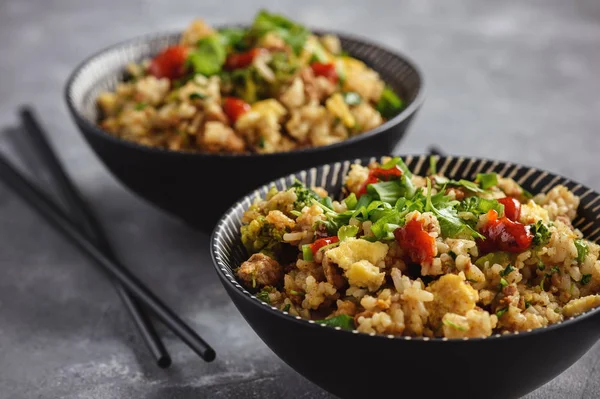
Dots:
(511, 80)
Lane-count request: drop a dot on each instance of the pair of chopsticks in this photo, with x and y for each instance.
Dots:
(84, 231)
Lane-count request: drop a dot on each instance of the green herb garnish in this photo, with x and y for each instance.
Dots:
(287, 307)
(389, 103)
(432, 165)
(507, 270)
(351, 201)
(503, 283)
(541, 234)
(487, 180)
(263, 295)
(198, 96)
(453, 325)
(500, 312)
(582, 250)
(208, 57)
(352, 98)
(307, 253)
(343, 321)
(586, 278)
(347, 232)
(292, 33)
(140, 106)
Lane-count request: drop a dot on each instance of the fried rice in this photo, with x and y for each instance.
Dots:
(270, 88)
(416, 256)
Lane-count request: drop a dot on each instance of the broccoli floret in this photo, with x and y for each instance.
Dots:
(260, 236)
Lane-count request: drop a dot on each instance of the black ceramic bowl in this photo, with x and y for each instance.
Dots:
(186, 184)
(355, 365)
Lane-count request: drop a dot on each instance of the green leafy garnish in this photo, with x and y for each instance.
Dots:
(453, 325)
(287, 307)
(503, 282)
(466, 184)
(541, 234)
(198, 96)
(233, 38)
(487, 180)
(208, 57)
(263, 295)
(479, 206)
(304, 195)
(582, 250)
(343, 321)
(541, 265)
(307, 253)
(347, 232)
(493, 258)
(292, 33)
(352, 98)
(586, 278)
(140, 106)
(351, 201)
(452, 255)
(542, 282)
(509, 269)
(389, 103)
(294, 292)
(397, 162)
(500, 312)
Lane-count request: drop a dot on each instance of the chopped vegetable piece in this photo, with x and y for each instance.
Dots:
(500, 312)
(233, 38)
(327, 70)
(352, 98)
(487, 180)
(432, 165)
(419, 245)
(242, 60)
(504, 235)
(351, 201)
(198, 96)
(512, 208)
(453, 325)
(140, 106)
(307, 253)
(292, 33)
(509, 269)
(322, 242)
(169, 63)
(208, 57)
(586, 278)
(541, 234)
(263, 295)
(287, 307)
(389, 103)
(234, 108)
(582, 250)
(503, 282)
(347, 232)
(343, 321)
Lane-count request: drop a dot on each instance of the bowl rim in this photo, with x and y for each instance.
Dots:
(405, 114)
(226, 278)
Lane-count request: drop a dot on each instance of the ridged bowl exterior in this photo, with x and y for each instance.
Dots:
(198, 187)
(355, 365)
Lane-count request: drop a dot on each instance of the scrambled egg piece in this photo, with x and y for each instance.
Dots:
(451, 294)
(581, 305)
(360, 260)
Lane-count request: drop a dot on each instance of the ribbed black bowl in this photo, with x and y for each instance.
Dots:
(198, 187)
(355, 365)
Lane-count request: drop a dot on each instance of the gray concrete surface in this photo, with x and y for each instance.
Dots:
(514, 80)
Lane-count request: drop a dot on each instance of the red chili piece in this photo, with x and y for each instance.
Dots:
(502, 234)
(326, 70)
(419, 245)
(512, 208)
(241, 60)
(321, 242)
(234, 108)
(170, 63)
(377, 174)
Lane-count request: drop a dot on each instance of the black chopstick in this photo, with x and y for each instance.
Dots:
(82, 214)
(45, 207)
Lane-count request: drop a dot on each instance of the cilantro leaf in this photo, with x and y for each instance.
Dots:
(292, 33)
(304, 195)
(208, 57)
(263, 295)
(343, 321)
